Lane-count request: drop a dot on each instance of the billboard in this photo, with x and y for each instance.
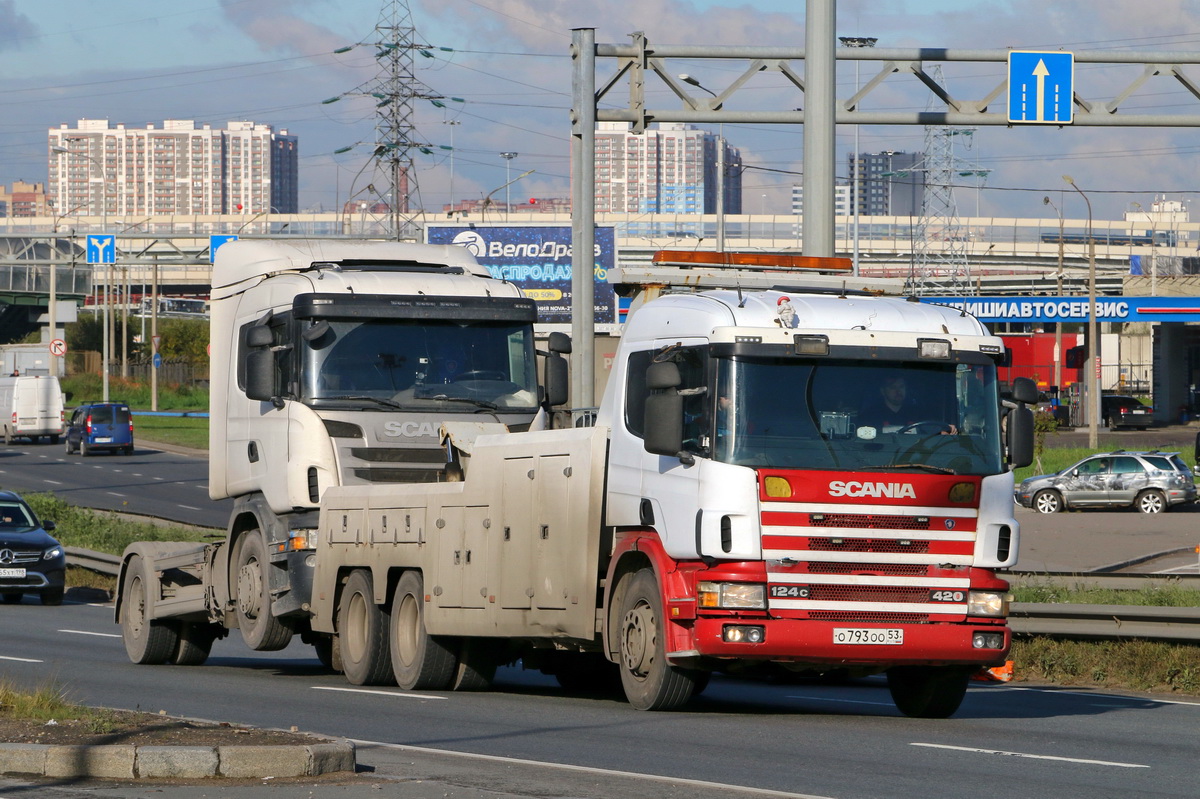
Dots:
(538, 260)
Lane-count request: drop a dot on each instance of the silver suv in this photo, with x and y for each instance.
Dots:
(1150, 481)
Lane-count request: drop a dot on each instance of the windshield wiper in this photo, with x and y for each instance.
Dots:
(387, 403)
(939, 469)
(491, 406)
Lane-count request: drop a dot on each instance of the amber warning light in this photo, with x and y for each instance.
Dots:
(768, 262)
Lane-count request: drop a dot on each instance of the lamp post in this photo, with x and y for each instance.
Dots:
(1092, 335)
(452, 123)
(688, 79)
(1058, 324)
(508, 157)
(856, 177)
(105, 347)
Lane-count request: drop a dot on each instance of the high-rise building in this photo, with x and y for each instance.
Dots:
(23, 199)
(670, 169)
(841, 200)
(245, 168)
(892, 183)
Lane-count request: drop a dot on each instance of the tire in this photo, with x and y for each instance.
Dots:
(928, 692)
(67, 447)
(261, 631)
(54, 441)
(52, 596)
(329, 652)
(477, 662)
(8, 439)
(1151, 501)
(420, 662)
(147, 642)
(650, 682)
(83, 448)
(11, 599)
(1111, 424)
(363, 632)
(195, 643)
(1047, 501)
(128, 450)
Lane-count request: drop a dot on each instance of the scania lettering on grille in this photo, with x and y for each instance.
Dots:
(410, 429)
(854, 488)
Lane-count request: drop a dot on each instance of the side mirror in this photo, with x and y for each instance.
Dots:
(559, 342)
(49, 526)
(556, 380)
(259, 336)
(260, 375)
(664, 410)
(1020, 436)
(1025, 390)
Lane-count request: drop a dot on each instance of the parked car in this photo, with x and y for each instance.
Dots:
(1152, 482)
(31, 560)
(1119, 410)
(96, 426)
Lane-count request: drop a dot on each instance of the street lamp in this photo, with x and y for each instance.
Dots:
(856, 178)
(1058, 324)
(105, 347)
(1092, 335)
(508, 157)
(688, 79)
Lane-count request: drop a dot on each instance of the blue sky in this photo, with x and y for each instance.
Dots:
(142, 61)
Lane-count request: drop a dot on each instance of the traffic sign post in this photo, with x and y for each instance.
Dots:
(1041, 87)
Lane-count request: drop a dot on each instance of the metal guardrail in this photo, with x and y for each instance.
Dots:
(1025, 618)
(99, 562)
(1130, 582)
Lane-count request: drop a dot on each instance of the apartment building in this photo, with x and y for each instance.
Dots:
(181, 168)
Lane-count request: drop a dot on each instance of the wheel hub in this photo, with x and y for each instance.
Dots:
(249, 590)
(638, 634)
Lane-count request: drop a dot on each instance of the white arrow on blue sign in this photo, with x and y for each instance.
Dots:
(101, 249)
(1041, 87)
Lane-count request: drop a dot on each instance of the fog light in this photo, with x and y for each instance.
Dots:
(744, 634)
(988, 640)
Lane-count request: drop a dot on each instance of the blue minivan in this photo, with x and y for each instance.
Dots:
(96, 426)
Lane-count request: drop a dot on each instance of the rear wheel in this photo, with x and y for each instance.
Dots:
(1151, 501)
(67, 447)
(477, 662)
(928, 692)
(329, 652)
(53, 441)
(195, 643)
(650, 682)
(83, 448)
(363, 632)
(1047, 501)
(261, 631)
(420, 661)
(147, 642)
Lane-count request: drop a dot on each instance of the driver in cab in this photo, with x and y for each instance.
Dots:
(892, 408)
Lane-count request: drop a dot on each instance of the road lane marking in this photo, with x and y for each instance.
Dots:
(844, 701)
(113, 494)
(1076, 694)
(396, 694)
(189, 507)
(52, 482)
(1029, 756)
(21, 660)
(85, 632)
(742, 789)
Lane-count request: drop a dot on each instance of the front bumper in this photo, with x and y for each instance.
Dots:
(811, 642)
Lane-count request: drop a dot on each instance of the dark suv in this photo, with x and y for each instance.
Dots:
(100, 426)
(31, 560)
(1117, 410)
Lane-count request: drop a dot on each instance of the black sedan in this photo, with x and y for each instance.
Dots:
(31, 560)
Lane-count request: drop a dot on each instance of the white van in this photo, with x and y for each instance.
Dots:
(31, 406)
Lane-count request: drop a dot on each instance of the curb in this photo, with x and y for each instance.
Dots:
(186, 762)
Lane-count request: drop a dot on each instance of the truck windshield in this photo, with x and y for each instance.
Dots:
(418, 365)
(860, 415)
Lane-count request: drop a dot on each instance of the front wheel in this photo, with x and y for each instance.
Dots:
(261, 631)
(147, 642)
(53, 596)
(928, 692)
(1151, 502)
(1047, 501)
(363, 632)
(650, 682)
(420, 661)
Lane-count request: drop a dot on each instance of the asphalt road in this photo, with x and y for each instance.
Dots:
(151, 482)
(529, 738)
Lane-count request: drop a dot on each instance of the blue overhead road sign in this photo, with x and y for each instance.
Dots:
(101, 249)
(1041, 87)
(215, 242)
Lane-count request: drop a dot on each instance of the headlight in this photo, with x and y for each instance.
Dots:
(988, 603)
(730, 596)
(52, 553)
